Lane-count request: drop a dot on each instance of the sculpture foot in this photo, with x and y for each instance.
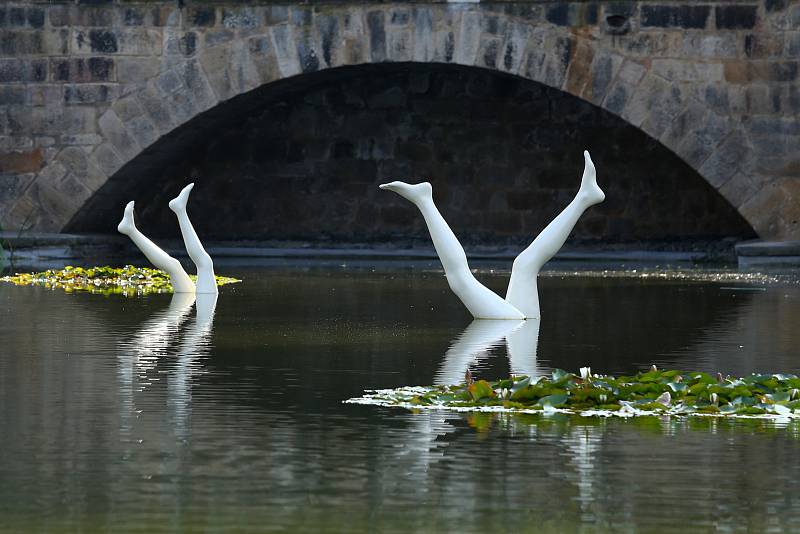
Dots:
(413, 192)
(178, 204)
(590, 192)
(126, 225)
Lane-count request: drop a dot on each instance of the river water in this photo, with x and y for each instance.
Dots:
(156, 413)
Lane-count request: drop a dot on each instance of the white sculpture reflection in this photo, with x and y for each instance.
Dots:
(522, 298)
(161, 346)
(194, 345)
(181, 283)
(475, 342)
(425, 444)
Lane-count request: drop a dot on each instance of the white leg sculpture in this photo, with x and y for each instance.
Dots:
(181, 283)
(522, 299)
(481, 301)
(522, 290)
(206, 282)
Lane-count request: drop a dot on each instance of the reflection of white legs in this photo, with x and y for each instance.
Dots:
(522, 345)
(181, 282)
(206, 282)
(482, 302)
(476, 339)
(522, 291)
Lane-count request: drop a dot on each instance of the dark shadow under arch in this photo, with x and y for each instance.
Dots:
(300, 158)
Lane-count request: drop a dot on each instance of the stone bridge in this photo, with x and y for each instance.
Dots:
(90, 90)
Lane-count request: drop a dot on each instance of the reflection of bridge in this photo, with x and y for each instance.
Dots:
(86, 89)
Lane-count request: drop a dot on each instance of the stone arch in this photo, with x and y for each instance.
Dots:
(200, 69)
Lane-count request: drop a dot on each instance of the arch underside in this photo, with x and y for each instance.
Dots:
(299, 158)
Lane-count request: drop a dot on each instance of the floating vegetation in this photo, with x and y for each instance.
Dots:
(654, 392)
(128, 280)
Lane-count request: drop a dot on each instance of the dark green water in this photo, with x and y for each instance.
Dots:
(150, 414)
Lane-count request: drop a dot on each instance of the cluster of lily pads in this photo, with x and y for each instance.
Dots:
(653, 392)
(127, 280)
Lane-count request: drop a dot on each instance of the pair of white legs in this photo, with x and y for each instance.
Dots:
(181, 283)
(522, 297)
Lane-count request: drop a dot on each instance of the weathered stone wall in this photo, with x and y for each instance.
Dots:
(89, 89)
(503, 154)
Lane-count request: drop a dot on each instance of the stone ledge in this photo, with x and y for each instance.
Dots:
(768, 248)
(768, 253)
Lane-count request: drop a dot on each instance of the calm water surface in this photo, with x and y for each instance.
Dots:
(156, 413)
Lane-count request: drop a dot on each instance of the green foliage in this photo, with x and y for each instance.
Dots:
(640, 394)
(128, 280)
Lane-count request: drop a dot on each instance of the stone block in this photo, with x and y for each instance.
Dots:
(329, 39)
(726, 159)
(72, 159)
(514, 46)
(685, 16)
(468, 39)
(579, 74)
(84, 140)
(424, 46)
(571, 13)
(141, 42)
(244, 17)
(736, 17)
(216, 38)
(133, 16)
(81, 16)
(197, 84)
(45, 94)
(377, 35)
(793, 44)
(399, 45)
(758, 99)
(55, 42)
(105, 159)
(95, 69)
(742, 72)
(723, 45)
(19, 162)
(688, 71)
(90, 94)
(22, 70)
(301, 16)
(216, 61)
(762, 45)
(20, 43)
(13, 95)
(285, 50)
(57, 121)
(142, 130)
(738, 189)
(164, 16)
(181, 43)
(276, 15)
(201, 16)
(307, 54)
(153, 103)
(488, 52)
(135, 70)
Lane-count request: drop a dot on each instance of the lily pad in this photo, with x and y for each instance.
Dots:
(127, 280)
(649, 393)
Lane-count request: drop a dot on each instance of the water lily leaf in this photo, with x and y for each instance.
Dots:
(522, 384)
(554, 401)
(780, 409)
(481, 390)
(677, 386)
(780, 396)
(560, 374)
